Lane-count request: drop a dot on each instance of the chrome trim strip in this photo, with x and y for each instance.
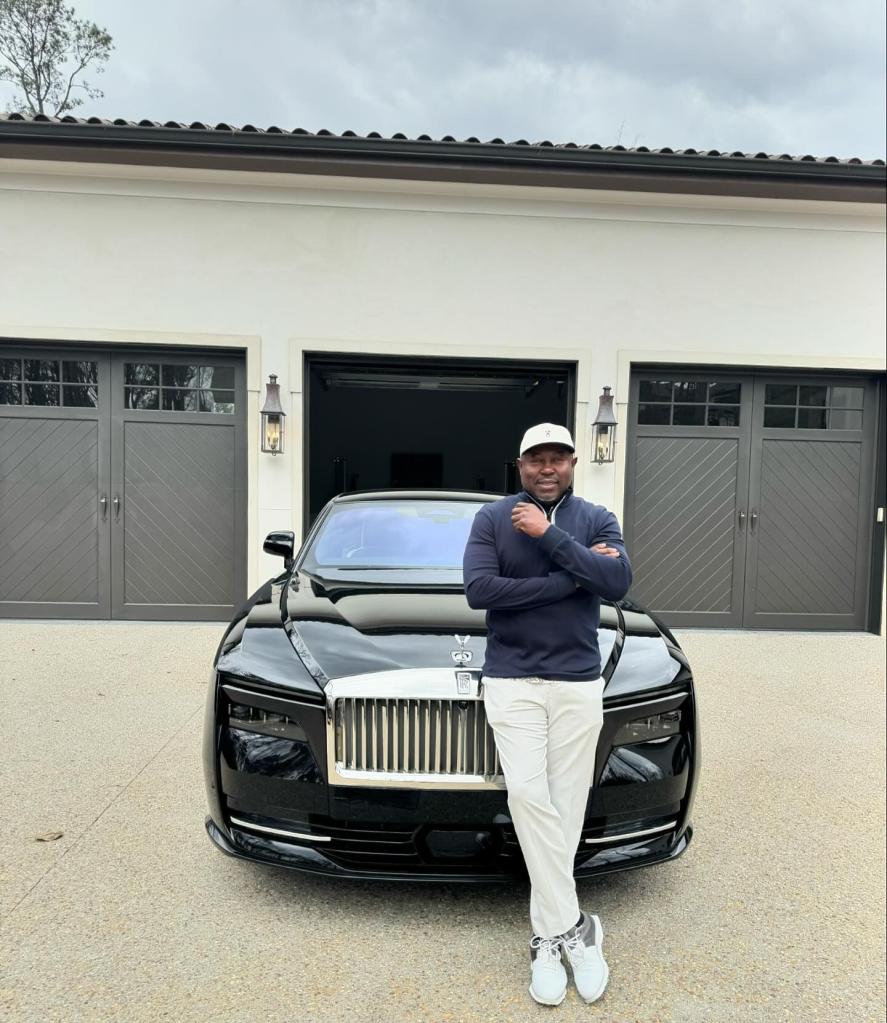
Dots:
(630, 834)
(280, 831)
(414, 780)
(404, 684)
(646, 703)
(271, 696)
(437, 711)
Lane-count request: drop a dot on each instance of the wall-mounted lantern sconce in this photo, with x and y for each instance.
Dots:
(272, 418)
(605, 430)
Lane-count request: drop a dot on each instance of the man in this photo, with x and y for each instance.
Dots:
(539, 563)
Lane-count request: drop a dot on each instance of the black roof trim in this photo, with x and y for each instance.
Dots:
(521, 162)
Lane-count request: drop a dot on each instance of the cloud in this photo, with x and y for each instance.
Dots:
(800, 76)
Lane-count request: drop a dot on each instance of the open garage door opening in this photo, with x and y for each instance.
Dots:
(409, 423)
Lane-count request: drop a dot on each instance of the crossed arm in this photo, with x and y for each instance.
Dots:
(593, 568)
(604, 570)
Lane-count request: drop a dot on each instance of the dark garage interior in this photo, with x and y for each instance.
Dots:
(416, 422)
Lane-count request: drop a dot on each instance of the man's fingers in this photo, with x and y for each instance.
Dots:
(610, 552)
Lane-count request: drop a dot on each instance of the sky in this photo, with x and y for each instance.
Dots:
(779, 76)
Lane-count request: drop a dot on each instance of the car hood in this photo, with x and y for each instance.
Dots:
(352, 627)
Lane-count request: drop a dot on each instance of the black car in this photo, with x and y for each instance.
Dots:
(345, 730)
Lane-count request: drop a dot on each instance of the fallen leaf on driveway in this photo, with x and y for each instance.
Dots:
(48, 836)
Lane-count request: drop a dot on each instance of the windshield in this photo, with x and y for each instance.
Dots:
(407, 534)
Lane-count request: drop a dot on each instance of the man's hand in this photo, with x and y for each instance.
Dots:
(529, 519)
(602, 548)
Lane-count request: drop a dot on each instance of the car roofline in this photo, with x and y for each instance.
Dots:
(413, 495)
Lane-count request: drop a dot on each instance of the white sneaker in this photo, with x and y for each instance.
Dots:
(549, 978)
(583, 947)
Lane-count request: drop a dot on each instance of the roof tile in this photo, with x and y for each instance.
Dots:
(200, 126)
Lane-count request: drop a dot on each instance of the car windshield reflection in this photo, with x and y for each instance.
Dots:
(392, 535)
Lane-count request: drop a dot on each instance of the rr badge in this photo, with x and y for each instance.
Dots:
(463, 683)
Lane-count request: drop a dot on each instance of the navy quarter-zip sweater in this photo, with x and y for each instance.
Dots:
(540, 622)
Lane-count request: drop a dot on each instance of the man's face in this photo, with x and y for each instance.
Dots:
(546, 471)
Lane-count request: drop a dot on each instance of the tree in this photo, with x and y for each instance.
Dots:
(44, 49)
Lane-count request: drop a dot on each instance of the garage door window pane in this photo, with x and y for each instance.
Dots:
(10, 394)
(654, 415)
(812, 395)
(220, 402)
(725, 394)
(41, 369)
(846, 397)
(41, 394)
(781, 394)
(811, 418)
(689, 415)
(844, 419)
(180, 376)
(217, 377)
(142, 397)
(690, 390)
(723, 415)
(779, 418)
(176, 399)
(141, 373)
(10, 369)
(80, 372)
(655, 390)
(76, 396)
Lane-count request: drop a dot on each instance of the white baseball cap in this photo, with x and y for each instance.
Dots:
(546, 433)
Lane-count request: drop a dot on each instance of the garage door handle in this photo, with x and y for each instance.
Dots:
(742, 520)
(753, 520)
(103, 504)
(116, 503)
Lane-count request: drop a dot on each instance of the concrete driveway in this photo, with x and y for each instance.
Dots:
(774, 914)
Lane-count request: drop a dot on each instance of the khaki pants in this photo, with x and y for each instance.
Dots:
(546, 734)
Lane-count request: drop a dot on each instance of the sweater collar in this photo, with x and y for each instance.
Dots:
(562, 500)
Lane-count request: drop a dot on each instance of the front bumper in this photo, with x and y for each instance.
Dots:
(282, 800)
(502, 864)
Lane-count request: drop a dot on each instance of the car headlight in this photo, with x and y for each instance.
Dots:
(656, 726)
(265, 722)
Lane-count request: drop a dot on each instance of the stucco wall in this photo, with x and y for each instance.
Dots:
(284, 264)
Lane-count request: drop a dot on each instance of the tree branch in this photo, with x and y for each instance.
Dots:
(64, 103)
(44, 49)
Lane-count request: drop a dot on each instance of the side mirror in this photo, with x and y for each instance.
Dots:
(281, 543)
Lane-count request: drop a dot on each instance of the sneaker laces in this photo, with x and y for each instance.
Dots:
(547, 949)
(574, 945)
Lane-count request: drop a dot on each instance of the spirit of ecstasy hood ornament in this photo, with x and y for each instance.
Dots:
(461, 656)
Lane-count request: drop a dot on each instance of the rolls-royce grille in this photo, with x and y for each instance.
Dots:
(447, 738)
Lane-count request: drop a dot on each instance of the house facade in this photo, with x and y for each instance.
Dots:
(421, 303)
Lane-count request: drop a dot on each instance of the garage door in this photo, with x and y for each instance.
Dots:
(749, 499)
(121, 492)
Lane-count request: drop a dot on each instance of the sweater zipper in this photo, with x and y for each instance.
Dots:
(550, 514)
